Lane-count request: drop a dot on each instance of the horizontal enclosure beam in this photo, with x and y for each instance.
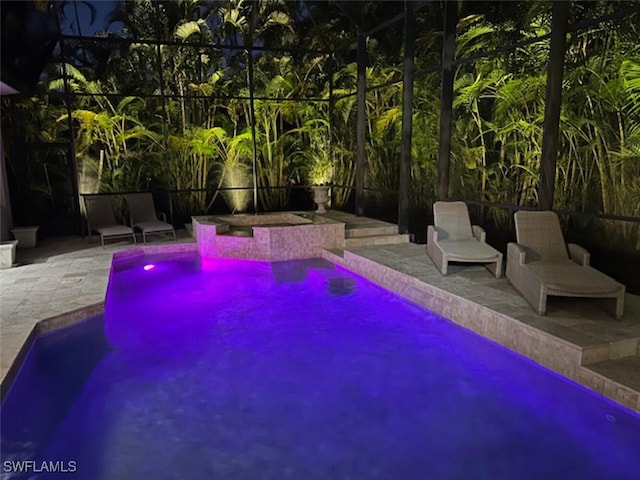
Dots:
(175, 43)
(570, 213)
(202, 97)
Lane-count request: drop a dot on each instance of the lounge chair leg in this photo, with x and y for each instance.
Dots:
(542, 305)
(620, 306)
(495, 268)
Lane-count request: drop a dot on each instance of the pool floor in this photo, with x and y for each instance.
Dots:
(231, 369)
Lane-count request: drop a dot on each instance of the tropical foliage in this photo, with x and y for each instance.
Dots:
(177, 113)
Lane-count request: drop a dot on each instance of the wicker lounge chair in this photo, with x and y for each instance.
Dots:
(144, 216)
(541, 264)
(454, 239)
(100, 219)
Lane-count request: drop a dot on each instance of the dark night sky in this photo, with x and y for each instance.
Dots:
(103, 8)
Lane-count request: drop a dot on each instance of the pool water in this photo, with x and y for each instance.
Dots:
(234, 369)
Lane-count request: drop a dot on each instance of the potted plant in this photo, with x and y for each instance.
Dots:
(319, 167)
(26, 236)
(320, 178)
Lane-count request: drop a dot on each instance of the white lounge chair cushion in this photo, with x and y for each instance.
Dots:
(569, 277)
(151, 226)
(114, 230)
(468, 250)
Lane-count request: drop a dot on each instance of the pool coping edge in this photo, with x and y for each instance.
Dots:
(41, 327)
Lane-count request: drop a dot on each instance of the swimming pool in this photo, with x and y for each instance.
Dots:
(235, 369)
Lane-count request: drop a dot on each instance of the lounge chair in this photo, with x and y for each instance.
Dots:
(542, 264)
(100, 219)
(143, 216)
(454, 239)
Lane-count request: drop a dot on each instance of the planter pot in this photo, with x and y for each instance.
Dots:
(26, 236)
(321, 198)
(8, 253)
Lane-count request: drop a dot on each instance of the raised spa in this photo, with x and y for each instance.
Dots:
(269, 236)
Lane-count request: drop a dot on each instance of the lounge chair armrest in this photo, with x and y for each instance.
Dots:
(516, 253)
(479, 233)
(432, 234)
(162, 216)
(579, 254)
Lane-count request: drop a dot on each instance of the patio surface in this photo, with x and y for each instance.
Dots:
(64, 280)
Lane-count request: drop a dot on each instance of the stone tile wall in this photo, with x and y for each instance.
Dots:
(305, 239)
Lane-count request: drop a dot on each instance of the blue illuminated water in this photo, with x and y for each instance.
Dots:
(296, 370)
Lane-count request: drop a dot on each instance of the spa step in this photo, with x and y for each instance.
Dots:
(376, 240)
(357, 232)
(332, 254)
(235, 231)
(619, 379)
(361, 226)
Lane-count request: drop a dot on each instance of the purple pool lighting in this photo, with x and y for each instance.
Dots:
(239, 369)
(149, 266)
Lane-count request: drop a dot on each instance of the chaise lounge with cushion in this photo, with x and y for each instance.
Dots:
(100, 219)
(541, 264)
(452, 238)
(143, 216)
